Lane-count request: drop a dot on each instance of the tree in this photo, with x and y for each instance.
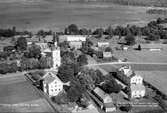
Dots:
(82, 60)
(68, 58)
(66, 73)
(34, 51)
(43, 62)
(130, 40)
(3, 55)
(99, 77)
(73, 29)
(98, 32)
(126, 108)
(139, 47)
(108, 49)
(110, 86)
(75, 91)
(109, 31)
(21, 44)
(85, 77)
(83, 31)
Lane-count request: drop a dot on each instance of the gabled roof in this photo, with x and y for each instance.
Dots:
(50, 76)
(100, 93)
(109, 105)
(49, 79)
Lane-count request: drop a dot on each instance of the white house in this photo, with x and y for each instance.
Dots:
(109, 107)
(42, 45)
(136, 79)
(52, 85)
(76, 38)
(72, 38)
(126, 70)
(75, 45)
(56, 58)
(103, 44)
(107, 54)
(137, 91)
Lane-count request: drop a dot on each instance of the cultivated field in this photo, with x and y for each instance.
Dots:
(51, 14)
(18, 95)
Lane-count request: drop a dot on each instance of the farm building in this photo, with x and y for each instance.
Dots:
(107, 54)
(127, 70)
(137, 91)
(103, 44)
(103, 99)
(72, 38)
(136, 79)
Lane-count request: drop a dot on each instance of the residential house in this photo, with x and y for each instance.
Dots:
(75, 44)
(107, 54)
(52, 85)
(136, 79)
(103, 44)
(72, 38)
(48, 38)
(42, 45)
(137, 91)
(127, 70)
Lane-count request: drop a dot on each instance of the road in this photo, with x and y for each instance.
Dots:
(129, 63)
(137, 66)
(18, 95)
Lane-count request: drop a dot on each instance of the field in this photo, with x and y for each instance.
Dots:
(143, 56)
(55, 15)
(157, 78)
(153, 73)
(18, 95)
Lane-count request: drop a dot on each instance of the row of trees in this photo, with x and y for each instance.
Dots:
(68, 72)
(152, 30)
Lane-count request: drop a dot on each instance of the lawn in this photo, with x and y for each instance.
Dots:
(18, 95)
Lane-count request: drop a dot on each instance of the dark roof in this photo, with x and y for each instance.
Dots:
(49, 79)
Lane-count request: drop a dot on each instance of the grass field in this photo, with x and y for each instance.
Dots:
(54, 15)
(143, 56)
(157, 78)
(18, 95)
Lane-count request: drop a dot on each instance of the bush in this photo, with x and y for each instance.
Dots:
(61, 98)
(8, 68)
